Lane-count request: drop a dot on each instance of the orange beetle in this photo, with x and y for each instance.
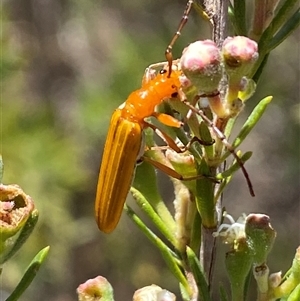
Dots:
(124, 142)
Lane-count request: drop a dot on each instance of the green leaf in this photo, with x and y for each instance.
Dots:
(169, 256)
(292, 279)
(199, 276)
(154, 217)
(223, 294)
(295, 294)
(260, 69)
(184, 294)
(282, 16)
(205, 197)
(292, 23)
(234, 167)
(29, 275)
(195, 241)
(221, 187)
(206, 137)
(151, 193)
(264, 44)
(251, 121)
(240, 17)
(226, 175)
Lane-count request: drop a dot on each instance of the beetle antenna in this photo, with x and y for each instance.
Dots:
(168, 52)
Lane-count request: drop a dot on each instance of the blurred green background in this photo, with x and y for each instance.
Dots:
(66, 65)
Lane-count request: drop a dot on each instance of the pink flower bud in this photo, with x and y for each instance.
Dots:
(239, 54)
(200, 62)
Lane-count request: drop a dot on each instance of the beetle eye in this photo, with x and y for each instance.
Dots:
(163, 71)
(174, 95)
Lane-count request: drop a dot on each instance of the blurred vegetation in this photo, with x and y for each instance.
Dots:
(65, 66)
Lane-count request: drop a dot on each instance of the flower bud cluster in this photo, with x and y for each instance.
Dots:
(204, 64)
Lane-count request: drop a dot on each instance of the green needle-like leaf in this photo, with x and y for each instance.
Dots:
(260, 69)
(223, 294)
(205, 198)
(169, 256)
(290, 286)
(29, 274)
(264, 44)
(206, 136)
(226, 175)
(195, 241)
(292, 23)
(252, 121)
(235, 167)
(184, 294)
(151, 193)
(249, 124)
(281, 16)
(199, 276)
(155, 218)
(240, 17)
(221, 187)
(295, 294)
